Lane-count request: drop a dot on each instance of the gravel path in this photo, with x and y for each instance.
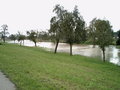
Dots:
(5, 83)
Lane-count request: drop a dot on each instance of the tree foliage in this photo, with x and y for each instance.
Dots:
(4, 31)
(43, 36)
(21, 38)
(103, 34)
(92, 32)
(67, 26)
(69, 29)
(118, 40)
(73, 28)
(13, 37)
(55, 24)
(80, 32)
(33, 36)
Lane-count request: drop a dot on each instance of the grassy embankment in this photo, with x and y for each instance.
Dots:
(35, 69)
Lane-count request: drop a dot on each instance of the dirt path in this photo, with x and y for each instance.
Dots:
(5, 83)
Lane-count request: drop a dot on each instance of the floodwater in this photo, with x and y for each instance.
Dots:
(112, 53)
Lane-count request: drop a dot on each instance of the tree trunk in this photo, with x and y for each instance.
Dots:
(103, 54)
(70, 49)
(23, 42)
(93, 43)
(4, 39)
(56, 46)
(20, 43)
(35, 44)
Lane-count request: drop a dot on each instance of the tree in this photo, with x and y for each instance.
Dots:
(0, 38)
(20, 38)
(103, 34)
(80, 32)
(4, 32)
(69, 29)
(13, 37)
(68, 26)
(33, 36)
(43, 36)
(55, 30)
(73, 27)
(118, 40)
(118, 34)
(0, 35)
(55, 24)
(92, 32)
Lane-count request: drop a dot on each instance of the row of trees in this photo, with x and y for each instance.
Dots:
(67, 26)
(70, 27)
(32, 35)
(20, 37)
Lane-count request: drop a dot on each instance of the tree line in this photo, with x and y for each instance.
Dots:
(70, 27)
(33, 35)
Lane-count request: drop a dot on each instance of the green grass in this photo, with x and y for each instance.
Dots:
(36, 69)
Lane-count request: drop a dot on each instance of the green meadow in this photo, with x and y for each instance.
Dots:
(33, 68)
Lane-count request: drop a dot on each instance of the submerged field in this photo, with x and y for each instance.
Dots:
(36, 69)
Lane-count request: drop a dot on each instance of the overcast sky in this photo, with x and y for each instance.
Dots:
(23, 15)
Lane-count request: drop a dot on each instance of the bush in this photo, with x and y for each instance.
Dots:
(0, 43)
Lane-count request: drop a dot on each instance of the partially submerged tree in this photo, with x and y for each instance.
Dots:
(73, 27)
(103, 34)
(33, 36)
(4, 31)
(69, 29)
(21, 38)
(68, 26)
(13, 37)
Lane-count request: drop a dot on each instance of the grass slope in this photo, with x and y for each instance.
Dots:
(35, 69)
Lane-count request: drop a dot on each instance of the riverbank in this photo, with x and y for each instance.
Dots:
(33, 68)
(112, 53)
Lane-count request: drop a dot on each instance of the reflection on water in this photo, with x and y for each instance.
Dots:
(112, 53)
